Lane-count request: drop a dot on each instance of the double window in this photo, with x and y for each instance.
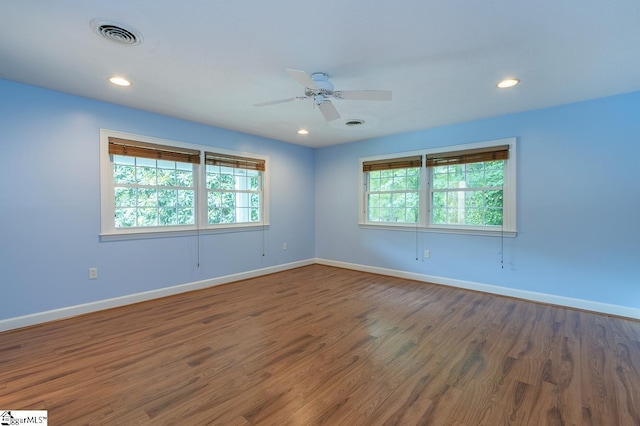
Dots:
(150, 185)
(467, 189)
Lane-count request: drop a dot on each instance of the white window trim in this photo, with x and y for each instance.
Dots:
(508, 228)
(362, 205)
(201, 226)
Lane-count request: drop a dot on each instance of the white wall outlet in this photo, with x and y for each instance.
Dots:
(93, 273)
(426, 254)
(284, 246)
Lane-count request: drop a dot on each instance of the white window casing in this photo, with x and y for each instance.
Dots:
(108, 229)
(508, 226)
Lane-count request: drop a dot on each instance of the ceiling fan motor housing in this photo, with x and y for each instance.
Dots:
(322, 81)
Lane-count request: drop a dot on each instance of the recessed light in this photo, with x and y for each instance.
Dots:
(303, 132)
(508, 82)
(120, 81)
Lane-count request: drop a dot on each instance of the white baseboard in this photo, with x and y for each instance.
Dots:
(587, 305)
(72, 311)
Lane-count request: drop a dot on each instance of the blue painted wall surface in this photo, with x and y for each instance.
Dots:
(578, 205)
(50, 208)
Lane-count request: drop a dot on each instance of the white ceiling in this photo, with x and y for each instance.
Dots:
(210, 61)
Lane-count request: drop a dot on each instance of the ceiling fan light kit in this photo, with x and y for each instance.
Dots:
(318, 88)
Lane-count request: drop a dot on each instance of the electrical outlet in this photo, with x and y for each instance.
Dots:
(93, 273)
(284, 246)
(426, 254)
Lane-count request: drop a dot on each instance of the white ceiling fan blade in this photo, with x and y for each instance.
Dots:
(281, 101)
(364, 95)
(329, 111)
(303, 78)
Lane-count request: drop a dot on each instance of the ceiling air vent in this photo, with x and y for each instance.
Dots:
(116, 32)
(353, 123)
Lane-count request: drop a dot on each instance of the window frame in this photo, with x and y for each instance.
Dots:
(201, 225)
(508, 228)
(250, 164)
(364, 188)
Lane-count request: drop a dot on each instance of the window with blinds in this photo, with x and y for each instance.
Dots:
(467, 186)
(234, 188)
(392, 189)
(151, 185)
(464, 188)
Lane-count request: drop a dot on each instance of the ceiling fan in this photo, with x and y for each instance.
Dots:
(318, 88)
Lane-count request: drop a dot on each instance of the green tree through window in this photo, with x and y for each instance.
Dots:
(151, 186)
(462, 189)
(393, 195)
(468, 194)
(150, 192)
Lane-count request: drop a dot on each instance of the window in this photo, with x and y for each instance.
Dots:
(466, 189)
(234, 188)
(150, 185)
(392, 189)
(466, 186)
(153, 185)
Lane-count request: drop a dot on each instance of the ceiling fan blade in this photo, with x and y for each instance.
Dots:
(303, 78)
(329, 111)
(281, 101)
(364, 95)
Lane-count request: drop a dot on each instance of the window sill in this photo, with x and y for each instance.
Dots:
(145, 234)
(460, 231)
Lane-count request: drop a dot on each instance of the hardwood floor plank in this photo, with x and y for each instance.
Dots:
(322, 345)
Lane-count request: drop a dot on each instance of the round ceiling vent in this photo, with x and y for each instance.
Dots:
(354, 123)
(117, 32)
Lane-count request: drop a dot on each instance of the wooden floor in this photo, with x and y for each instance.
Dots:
(322, 345)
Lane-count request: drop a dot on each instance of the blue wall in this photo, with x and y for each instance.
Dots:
(578, 205)
(50, 208)
(578, 195)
